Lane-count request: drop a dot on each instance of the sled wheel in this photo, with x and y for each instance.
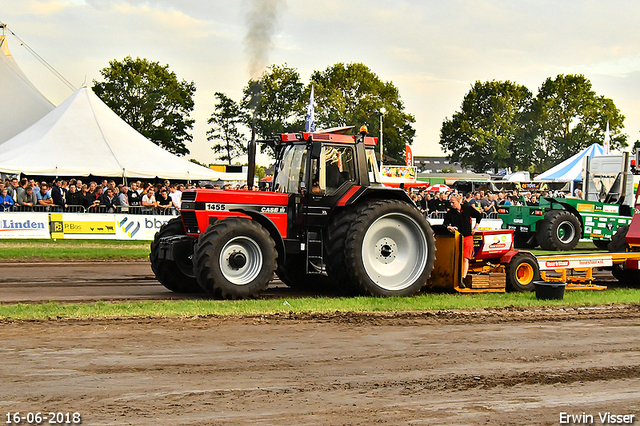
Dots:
(522, 271)
(235, 259)
(176, 275)
(390, 249)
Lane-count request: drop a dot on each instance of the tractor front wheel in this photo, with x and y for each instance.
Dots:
(176, 275)
(235, 259)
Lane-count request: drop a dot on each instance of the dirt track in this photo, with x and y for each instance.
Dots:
(500, 367)
(503, 367)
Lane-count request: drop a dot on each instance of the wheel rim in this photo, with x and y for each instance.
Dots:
(524, 274)
(240, 260)
(566, 232)
(394, 251)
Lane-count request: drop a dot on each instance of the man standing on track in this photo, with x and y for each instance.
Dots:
(458, 218)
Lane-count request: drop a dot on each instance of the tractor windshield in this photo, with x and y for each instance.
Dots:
(291, 170)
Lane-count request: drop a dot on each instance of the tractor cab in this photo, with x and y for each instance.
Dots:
(323, 164)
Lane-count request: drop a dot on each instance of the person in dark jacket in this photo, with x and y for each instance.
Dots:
(58, 195)
(458, 218)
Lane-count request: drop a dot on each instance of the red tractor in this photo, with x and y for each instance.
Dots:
(327, 221)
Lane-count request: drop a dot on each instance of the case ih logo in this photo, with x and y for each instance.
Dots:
(556, 263)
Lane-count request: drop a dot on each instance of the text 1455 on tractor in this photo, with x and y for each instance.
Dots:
(328, 220)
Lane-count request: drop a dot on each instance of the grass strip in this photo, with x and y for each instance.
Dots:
(24, 250)
(423, 302)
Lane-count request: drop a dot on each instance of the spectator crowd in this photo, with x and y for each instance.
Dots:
(435, 205)
(75, 196)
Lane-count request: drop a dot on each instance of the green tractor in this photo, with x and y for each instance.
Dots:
(558, 223)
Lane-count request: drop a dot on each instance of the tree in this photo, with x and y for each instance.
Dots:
(493, 129)
(572, 117)
(150, 98)
(225, 119)
(352, 94)
(274, 103)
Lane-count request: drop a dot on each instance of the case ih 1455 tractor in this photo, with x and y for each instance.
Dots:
(328, 220)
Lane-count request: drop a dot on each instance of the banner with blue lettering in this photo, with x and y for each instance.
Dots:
(24, 225)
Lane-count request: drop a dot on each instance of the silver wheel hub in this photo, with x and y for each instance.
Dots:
(241, 260)
(394, 251)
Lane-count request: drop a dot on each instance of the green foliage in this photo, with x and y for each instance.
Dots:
(274, 104)
(501, 125)
(225, 119)
(344, 95)
(491, 129)
(351, 94)
(150, 99)
(571, 117)
(260, 172)
(193, 160)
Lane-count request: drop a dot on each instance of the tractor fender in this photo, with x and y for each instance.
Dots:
(506, 258)
(270, 227)
(360, 193)
(565, 206)
(357, 194)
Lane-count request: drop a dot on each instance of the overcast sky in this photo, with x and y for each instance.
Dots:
(432, 50)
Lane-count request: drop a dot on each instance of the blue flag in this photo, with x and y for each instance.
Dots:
(310, 120)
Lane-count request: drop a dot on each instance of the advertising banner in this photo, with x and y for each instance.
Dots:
(138, 227)
(24, 225)
(106, 226)
(82, 226)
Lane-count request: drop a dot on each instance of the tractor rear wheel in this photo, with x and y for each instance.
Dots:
(176, 275)
(559, 230)
(522, 271)
(390, 249)
(235, 259)
(335, 258)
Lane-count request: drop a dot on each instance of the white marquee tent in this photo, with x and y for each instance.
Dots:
(83, 136)
(21, 104)
(570, 170)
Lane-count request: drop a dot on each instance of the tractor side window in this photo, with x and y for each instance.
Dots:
(291, 170)
(339, 167)
(372, 167)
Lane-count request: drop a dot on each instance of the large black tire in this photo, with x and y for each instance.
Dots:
(601, 244)
(618, 244)
(235, 258)
(559, 230)
(175, 275)
(293, 274)
(525, 241)
(335, 250)
(521, 272)
(390, 249)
